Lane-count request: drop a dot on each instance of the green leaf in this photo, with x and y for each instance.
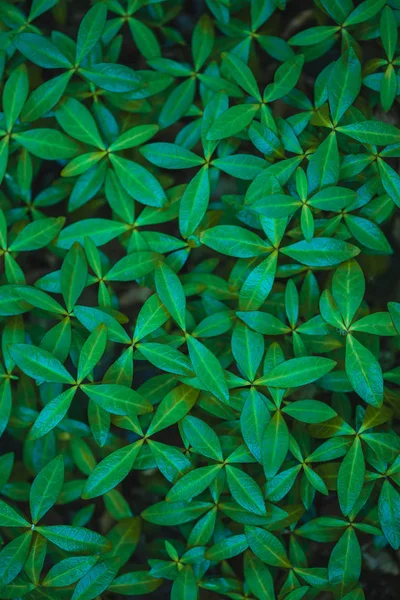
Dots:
(170, 461)
(348, 288)
(315, 480)
(389, 514)
(74, 539)
(241, 74)
(166, 358)
(248, 349)
(171, 293)
(208, 369)
(37, 234)
(202, 438)
(35, 561)
(77, 122)
(15, 94)
(388, 31)
(117, 399)
(81, 164)
(92, 351)
(46, 488)
(144, 38)
(351, 477)
(174, 513)
(193, 483)
(38, 7)
(124, 536)
(119, 200)
(275, 206)
(233, 241)
(314, 35)
(203, 530)
(245, 490)
(297, 372)
(394, 310)
(321, 252)
(345, 562)
(3, 157)
(309, 411)
(333, 198)
(338, 9)
(100, 231)
(40, 299)
(173, 408)
(266, 547)
(364, 11)
(90, 30)
(274, 445)
(232, 121)
(134, 583)
(39, 364)
(51, 415)
(202, 41)
(111, 471)
(73, 275)
(265, 140)
(138, 182)
(258, 577)
(152, 315)
(48, 144)
(177, 103)
(185, 585)
(388, 90)
(282, 483)
(134, 137)
(285, 78)
(364, 372)
(13, 557)
(10, 518)
(95, 581)
(253, 420)
(41, 51)
(93, 317)
(344, 84)
(368, 234)
(241, 166)
(371, 132)
(133, 266)
(69, 570)
(258, 284)
(112, 77)
(194, 202)
(324, 166)
(228, 548)
(170, 156)
(390, 180)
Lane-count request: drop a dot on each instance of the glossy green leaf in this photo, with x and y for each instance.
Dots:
(39, 364)
(364, 372)
(266, 547)
(208, 369)
(90, 30)
(351, 477)
(297, 372)
(74, 539)
(69, 570)
(46, 488)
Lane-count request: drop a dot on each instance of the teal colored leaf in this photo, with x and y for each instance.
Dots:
(46, 488)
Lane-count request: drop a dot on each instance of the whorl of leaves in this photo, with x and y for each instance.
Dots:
(199, 307)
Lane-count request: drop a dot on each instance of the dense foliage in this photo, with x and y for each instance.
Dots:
(199, 309)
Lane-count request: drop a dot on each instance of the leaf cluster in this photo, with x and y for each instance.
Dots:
(199, 309)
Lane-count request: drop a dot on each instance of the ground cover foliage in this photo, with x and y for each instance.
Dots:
(199, 300)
